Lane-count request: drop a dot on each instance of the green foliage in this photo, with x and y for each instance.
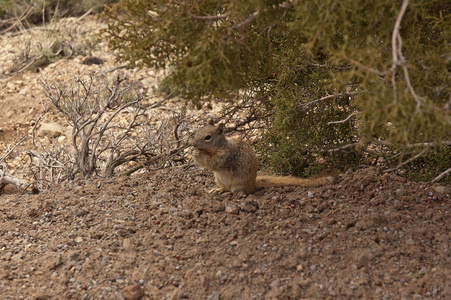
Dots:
(435, 161)
(332, 74)
(4, 7)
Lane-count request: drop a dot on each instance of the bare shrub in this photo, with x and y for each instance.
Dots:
(53, 165)
(109, 127)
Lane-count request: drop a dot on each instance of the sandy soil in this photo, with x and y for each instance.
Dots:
(367, 237)
(370, 236)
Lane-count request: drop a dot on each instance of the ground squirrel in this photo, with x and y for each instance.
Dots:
(235, 164)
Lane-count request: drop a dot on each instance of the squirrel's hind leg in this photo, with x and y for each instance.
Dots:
(246, 189)
(222, 188)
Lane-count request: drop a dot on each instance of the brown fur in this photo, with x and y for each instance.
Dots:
(235, 164)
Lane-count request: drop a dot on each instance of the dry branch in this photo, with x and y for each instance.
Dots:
(328, 97)
(418, 155)
(19, 20)
(6, 178)
(442, 175)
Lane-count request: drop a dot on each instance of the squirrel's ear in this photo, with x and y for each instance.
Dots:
(211, 122)
(220, 128)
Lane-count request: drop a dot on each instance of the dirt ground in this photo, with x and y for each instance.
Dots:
(366, 237)
(369, 236)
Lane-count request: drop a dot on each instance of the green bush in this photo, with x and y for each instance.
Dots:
(341, 82)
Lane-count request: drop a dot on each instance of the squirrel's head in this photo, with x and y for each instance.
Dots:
(209, 137)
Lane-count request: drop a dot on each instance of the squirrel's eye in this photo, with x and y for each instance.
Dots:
(208, 137)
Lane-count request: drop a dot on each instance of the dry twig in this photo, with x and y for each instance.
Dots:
(439, 177)
(5, 176)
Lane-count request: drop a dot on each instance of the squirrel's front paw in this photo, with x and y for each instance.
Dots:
(196, 153)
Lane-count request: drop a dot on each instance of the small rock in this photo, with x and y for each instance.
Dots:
(61, 139)
(309, 230)
(41, 296)
(440, 189)
(304, 283)
(249, 206)
(92, 60)
(299, 267)
(23, 91)
(410, 242)
(231, 209)
(214, 296)
(126, 243)
(310, 194)
(10, 86)
(274, 284)
(423, 271)
(50, 129)
(234, 243)
(400, 192)
(78, 239)
(104, 261)
(417, 297)
(188, 273)
(133, 292)
(17, 257)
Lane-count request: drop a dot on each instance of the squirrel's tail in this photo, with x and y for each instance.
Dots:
(263, 181)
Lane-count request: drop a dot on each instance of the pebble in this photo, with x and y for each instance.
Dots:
(133, 292)
(17, 257)
(231, 209)
(214, 296)
(440, 189)
(274, 284)
(400, 192)
(410, 242)
(417, 297)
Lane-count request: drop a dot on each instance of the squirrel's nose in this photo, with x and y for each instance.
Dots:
(192, 142)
